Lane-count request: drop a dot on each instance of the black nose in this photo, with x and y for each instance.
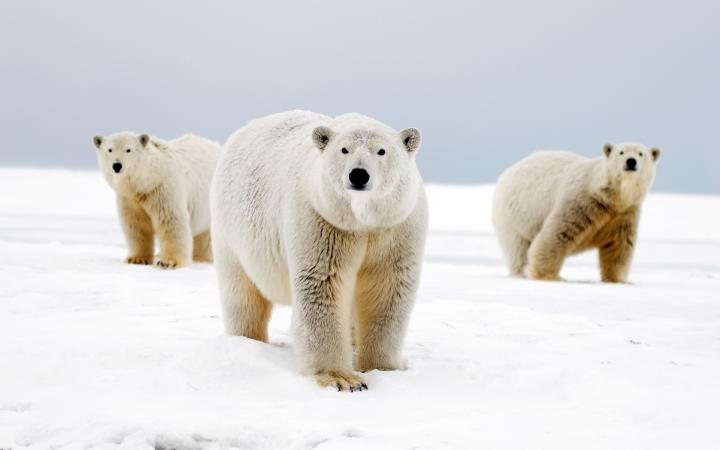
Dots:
(359, 178)
(631, 163)
(117, 167)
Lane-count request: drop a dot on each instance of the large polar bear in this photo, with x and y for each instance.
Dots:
(162, 189)
(553, 204)
(329, 215)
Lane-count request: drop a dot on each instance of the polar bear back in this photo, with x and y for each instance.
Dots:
(191, 162)
(526, 192)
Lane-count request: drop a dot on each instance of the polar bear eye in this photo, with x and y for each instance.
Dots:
(109, 150)
(344, 150)
(640, 153)
(381, 151)
(622, 153)
(127, 151)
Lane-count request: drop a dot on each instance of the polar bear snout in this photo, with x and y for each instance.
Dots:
(359, 179)
(117, 167)
(631, 164)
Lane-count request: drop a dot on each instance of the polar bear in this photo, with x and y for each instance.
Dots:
(553, 204)
(162, 188)
(328, 215)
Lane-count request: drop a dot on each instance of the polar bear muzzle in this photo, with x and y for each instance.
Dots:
(359, 179)
(631, 165)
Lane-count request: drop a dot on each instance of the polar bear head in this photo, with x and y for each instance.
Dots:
(367, 174)
(632, 165)
(123, 159)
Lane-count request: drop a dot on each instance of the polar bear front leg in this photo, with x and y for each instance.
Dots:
(138, 230)
(324, 272)
(618, 246)
(547, 254)
(384, 299)
(172, 225)
(572, 223)
(551, 245)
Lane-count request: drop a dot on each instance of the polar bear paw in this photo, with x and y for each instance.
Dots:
(168, 264)
(342, 381)
(535, 274)
(142, 260)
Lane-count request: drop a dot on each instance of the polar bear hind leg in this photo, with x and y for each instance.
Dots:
(515, 248)
(246, 312)
(202, 250)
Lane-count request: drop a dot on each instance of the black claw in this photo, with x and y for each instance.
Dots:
(364, 385)
(351, 388)
(339, 387)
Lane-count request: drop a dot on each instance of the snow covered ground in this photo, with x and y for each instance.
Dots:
(98, 354)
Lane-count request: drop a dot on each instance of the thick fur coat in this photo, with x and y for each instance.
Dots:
(162, 191)
(328, 215)
(553, 204)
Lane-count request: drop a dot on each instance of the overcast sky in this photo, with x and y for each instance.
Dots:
(486, 82)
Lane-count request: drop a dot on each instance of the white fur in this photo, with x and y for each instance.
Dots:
(166, 182)
(555, 193)
(287, 229)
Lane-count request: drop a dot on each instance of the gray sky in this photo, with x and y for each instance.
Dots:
(486, 82)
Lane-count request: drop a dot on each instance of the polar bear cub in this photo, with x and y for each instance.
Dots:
(553, 204)
(162, 190)
(328, 215)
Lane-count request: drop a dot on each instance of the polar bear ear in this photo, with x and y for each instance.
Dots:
(607, 149)
(410, 137)
(144, 139)
(321, 137)
(97, 141)
(655, 153)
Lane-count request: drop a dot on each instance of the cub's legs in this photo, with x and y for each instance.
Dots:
(138, 229)
(202, 250)
(323, 280)
(246, 312)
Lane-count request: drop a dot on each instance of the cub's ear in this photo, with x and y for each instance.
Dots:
(321, 137)
(97, 141)
(655, 153)
(607, 149)
(144, 139)
(410, 137)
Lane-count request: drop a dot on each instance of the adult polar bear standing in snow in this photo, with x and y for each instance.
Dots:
(162, 190)
(553, 204)
(329, 215)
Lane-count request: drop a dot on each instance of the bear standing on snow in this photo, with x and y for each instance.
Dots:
(329, 215)
(553, 204)
(162, 189)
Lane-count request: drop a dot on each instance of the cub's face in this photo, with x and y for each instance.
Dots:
(375, 171)
(120, 154)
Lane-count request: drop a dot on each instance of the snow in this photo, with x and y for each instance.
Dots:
(98, 354)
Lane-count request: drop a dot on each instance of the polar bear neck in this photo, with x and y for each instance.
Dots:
(618, 191)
